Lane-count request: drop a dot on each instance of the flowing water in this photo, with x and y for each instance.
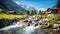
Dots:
(19, 29)
(13, 29)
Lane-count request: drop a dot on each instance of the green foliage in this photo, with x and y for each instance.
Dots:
(40, 12)
(1, 10)
(53, 19)
(58, 4)
(35, 12)
(27, 12)
(32, 12)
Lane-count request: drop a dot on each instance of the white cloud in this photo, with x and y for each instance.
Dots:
(42, 9)
(17, 2)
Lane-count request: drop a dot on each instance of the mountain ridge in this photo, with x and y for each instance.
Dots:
(11, 5)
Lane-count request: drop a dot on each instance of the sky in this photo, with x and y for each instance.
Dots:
(38, 4)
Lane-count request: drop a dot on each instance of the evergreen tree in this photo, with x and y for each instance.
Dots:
(40, 12)
(27, 12)
(35, 12)
(32, 12)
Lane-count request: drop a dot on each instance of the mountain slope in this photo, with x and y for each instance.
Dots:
(27, 7)
(11, 5)
(57, 5)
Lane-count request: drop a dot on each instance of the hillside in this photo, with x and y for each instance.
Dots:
(58, 4)
(11, 5)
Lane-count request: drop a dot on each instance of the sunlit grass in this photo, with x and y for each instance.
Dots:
(52, 19)
(11, 16)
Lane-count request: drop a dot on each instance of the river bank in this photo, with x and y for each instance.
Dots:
(45, 24)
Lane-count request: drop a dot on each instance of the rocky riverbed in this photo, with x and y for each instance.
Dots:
(30, 25)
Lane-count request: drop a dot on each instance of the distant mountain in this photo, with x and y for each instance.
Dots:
(23, 6)
(11, 5)
(30, 8)
(27, 7)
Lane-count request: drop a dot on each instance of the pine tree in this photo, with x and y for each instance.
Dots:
(32, 12)
(27, 12)
(40, 12)
(35, 12)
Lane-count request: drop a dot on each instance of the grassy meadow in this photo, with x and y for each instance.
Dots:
(11, 16)
(52, 19)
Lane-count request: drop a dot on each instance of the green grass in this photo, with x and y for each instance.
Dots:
(52, 19)
(11, 16)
